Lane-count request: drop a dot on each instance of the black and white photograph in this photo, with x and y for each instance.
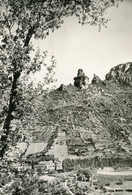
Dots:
(65, 97)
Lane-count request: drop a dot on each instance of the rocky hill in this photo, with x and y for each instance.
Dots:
(121, 73)
(95, 120)
(85, 120)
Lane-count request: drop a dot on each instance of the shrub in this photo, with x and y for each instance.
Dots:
(83, 174)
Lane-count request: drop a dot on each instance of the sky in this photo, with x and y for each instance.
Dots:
(75, 46)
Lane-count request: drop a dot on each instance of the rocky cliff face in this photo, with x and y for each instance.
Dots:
(121, 74)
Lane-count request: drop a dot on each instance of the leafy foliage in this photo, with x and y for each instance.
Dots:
(84, 174)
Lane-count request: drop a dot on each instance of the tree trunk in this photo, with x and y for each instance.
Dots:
(12, 101)
(6, 127)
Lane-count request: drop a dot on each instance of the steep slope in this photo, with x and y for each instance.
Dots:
(96, 121)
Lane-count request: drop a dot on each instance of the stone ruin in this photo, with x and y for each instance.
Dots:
(80, 80)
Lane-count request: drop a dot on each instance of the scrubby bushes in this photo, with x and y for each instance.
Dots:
(73, 164)
(84, 174)
(60, 190)
(82, 189)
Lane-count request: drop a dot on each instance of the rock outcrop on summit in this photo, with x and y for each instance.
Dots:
(81, 80)
(121, 74)
(96, 80)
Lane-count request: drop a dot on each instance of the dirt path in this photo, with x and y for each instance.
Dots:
(66, 186)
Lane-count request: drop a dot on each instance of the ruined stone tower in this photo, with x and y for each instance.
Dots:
(80, 79)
